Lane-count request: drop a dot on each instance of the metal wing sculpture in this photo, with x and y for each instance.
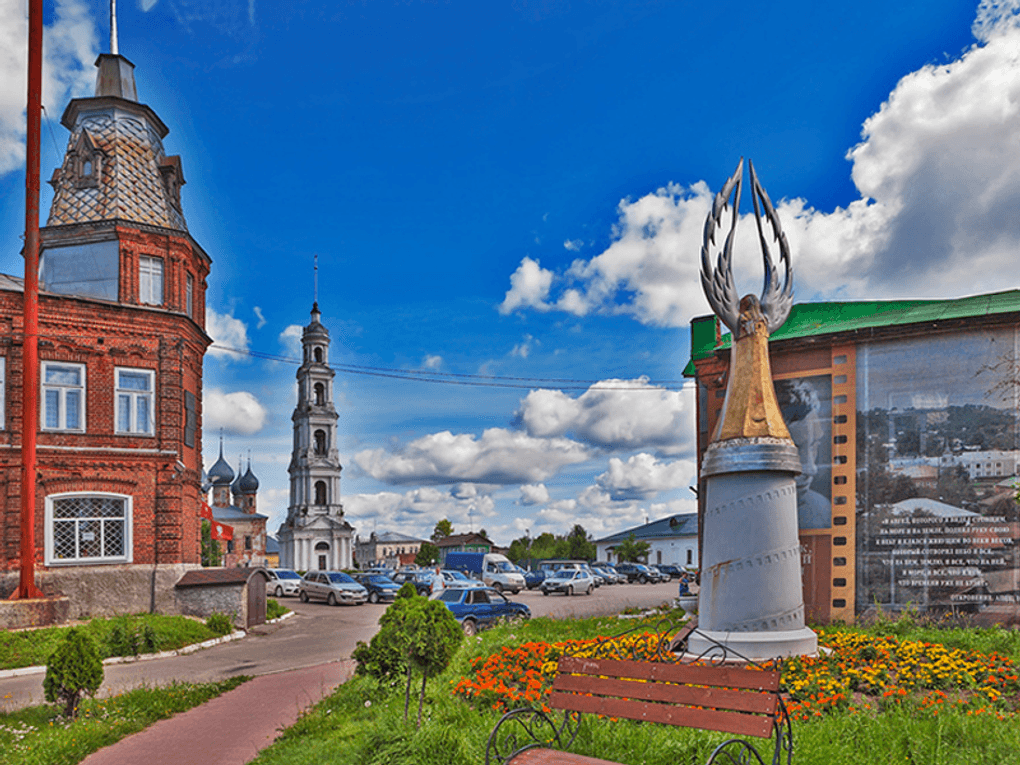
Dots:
(720, 289)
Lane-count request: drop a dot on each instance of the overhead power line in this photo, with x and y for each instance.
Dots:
(474, 380)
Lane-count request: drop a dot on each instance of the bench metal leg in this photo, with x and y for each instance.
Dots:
(527, 728)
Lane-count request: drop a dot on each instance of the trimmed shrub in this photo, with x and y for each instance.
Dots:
(73, 670)
(219, 623)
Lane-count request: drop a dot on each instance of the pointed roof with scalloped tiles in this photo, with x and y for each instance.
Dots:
(115, 166)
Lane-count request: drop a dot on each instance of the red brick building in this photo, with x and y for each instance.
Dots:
(122, 339)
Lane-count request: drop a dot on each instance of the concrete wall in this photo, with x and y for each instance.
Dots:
(110, 590)
(229, 599)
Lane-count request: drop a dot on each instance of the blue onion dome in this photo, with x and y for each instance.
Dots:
(221, 473)
(235, 488)
(248, 483)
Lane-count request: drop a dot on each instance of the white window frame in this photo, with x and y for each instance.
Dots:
(189, 295)
(61, 392)
(133, 397)
(150, 277)
(50, 555)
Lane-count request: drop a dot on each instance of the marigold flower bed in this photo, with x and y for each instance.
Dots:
(857, 673)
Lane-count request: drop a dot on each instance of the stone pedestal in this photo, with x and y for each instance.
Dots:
(751, 599)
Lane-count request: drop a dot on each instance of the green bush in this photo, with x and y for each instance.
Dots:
(73, 670)
(274, 610)
(221, 624)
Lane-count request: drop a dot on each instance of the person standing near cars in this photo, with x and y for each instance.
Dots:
(438, 583)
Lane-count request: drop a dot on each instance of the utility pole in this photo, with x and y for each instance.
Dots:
(30, 350)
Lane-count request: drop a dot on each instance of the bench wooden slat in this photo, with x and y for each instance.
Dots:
(540, 756)
(717, 698)
(726, 677)
(687, 717)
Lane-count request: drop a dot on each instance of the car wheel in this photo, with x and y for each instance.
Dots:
(590, 588)
(642, 579)
(279, 591)
(469, 627)
(498, 587)
(373, 597)
(545, 592)
(304, 596)
(570, 590)
(331, 600)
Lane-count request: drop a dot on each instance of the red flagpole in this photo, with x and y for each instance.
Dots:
(30, 355)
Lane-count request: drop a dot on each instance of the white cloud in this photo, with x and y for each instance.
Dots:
(416, 512)
(261, 318)
(432, 362)
(938, 174)
(529, 287)
(533, 494)
(70, 47)
(238, 412)
(642, 476)
(523, 348)
(574, 245)
(500, 456)
(226, 332)
(614, 414)
(290, 339)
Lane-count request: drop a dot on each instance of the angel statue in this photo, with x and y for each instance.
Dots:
(750, 409)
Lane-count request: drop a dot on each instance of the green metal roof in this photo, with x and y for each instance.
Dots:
(811, 319)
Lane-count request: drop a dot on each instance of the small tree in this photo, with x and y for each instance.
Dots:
(74, 669)
(211, 555)
(443, 529)
(632, 550)
(414, 634)
(428, 555)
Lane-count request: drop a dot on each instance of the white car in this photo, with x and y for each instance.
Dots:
(568, 581)
(283, 581)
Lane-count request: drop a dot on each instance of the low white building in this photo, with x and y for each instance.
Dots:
(671, 540)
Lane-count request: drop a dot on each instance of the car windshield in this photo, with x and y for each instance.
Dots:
(286, 573)
(451, 596)
(339, 577)
(379, 579)
(505, 565)
(456, 575)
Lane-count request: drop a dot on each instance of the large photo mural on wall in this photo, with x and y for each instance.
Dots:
(937, 463)
(806, 404)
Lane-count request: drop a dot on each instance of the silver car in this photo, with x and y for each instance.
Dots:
(282, 581)
(334, 587)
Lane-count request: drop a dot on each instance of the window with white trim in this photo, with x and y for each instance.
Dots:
(88, 528)
(135, 397)
(63, 398)
(150, 280)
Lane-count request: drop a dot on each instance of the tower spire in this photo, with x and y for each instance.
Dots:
(315, 276)
(113, 28)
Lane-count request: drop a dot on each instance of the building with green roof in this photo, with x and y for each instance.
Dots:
(877, 393)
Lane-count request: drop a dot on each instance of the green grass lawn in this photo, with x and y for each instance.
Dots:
(362, 723)
(42, 736)
(116, 636)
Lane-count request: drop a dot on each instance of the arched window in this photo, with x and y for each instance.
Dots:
(321, 546)
(320, 493)
(320, 442)
(318, 355)
(320, 394)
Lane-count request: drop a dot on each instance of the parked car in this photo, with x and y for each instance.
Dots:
(533, 579)
(637, 572)
(668, 568)
(595, 576)
(457, 578)
(422, 580)
(610, 574)
(479, 607)
(381, 589)
(568, 581)
(282, 581)
(333, 587)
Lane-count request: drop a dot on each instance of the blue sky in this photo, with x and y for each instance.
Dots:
(517, 188)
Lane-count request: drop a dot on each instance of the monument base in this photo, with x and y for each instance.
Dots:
(758, 646)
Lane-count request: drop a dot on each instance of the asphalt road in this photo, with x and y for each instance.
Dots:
(315, 635)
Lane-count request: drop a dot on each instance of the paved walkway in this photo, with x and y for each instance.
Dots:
(233, 727)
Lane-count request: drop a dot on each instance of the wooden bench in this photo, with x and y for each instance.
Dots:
(723, 698)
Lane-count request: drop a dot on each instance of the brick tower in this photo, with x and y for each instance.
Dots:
(122, 339)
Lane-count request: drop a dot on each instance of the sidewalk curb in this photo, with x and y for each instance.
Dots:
(237, 635)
